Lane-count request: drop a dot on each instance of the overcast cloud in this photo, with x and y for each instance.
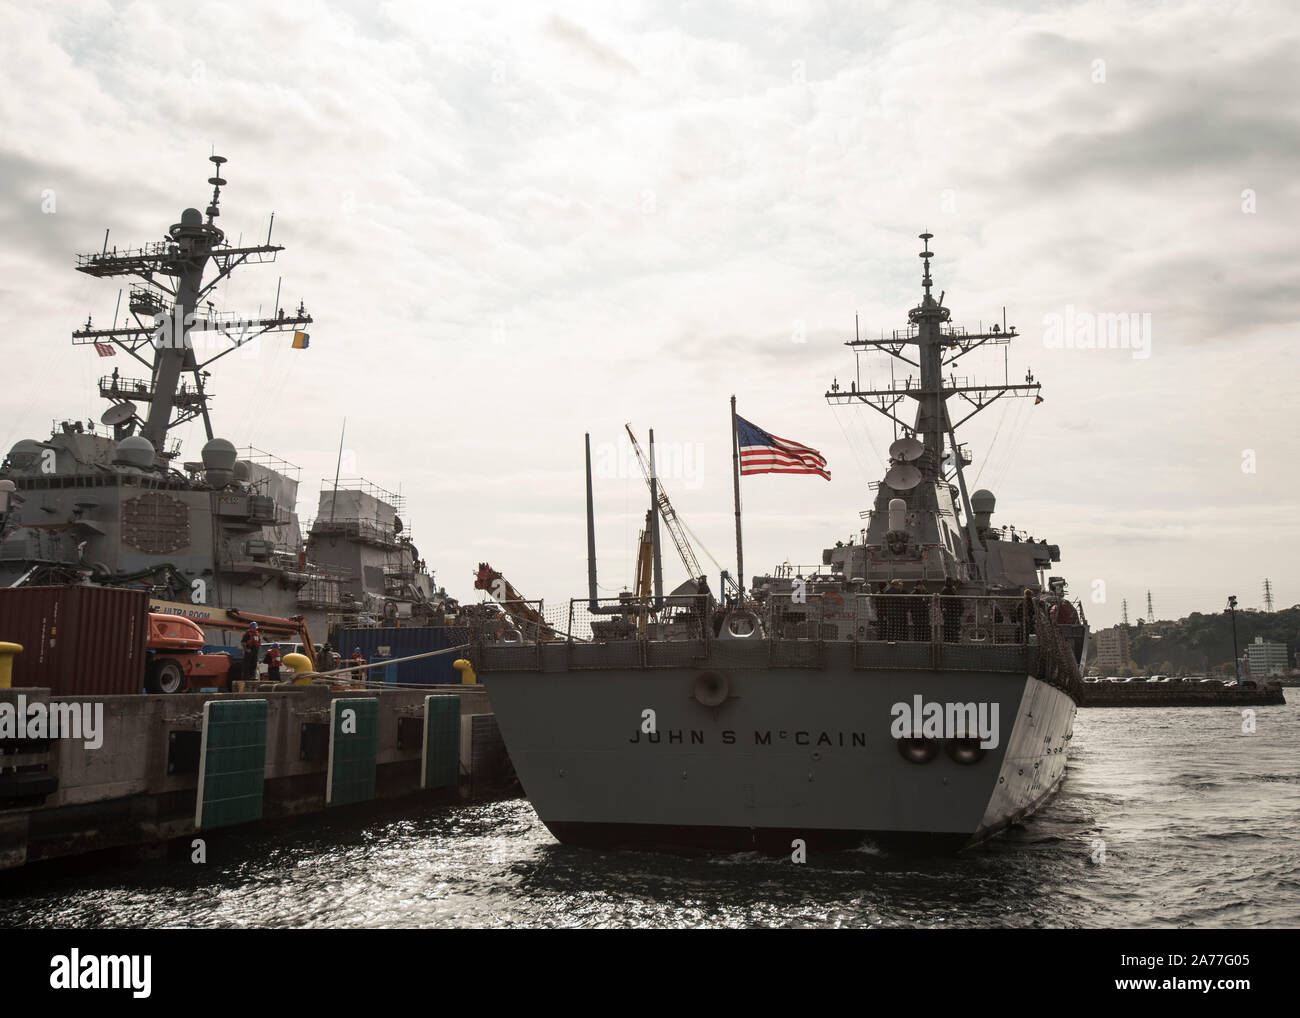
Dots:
(514, 225)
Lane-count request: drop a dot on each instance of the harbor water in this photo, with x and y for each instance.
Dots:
(1169, 817)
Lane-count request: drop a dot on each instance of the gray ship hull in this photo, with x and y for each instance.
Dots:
(790, 753)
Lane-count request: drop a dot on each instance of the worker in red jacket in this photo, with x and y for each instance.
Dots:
(354, 661)
(252, 644)
(273, 663)
(1063, 613)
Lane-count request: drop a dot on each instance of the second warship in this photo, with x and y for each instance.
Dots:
(920, 686)
(113, 502)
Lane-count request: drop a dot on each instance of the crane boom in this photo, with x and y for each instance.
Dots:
(643, 556)
(668, 514)
(513, 603)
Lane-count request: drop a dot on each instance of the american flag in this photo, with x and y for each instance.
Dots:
(761, 452)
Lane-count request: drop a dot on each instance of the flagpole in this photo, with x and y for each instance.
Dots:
(735, 477)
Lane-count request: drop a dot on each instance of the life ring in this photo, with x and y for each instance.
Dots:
(711, 689)
(740, 625)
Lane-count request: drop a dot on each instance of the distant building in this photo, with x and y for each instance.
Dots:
(1266, 658)
(1112, 648)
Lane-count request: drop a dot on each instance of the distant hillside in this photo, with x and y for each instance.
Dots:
(1200, 643)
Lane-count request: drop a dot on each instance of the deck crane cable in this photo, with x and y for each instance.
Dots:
(700, 544)
(668, 514)
(1017, 440)
(993, 443)
(871, 444)
(998, 462)
(854, 446)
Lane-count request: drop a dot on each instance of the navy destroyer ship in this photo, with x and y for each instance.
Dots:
(918, 687)
(112, 501)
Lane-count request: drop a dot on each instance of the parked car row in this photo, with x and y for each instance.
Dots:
(1248, 683)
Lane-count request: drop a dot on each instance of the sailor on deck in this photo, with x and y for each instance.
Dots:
(1063, 613)
(921, 624)
(251, 643)
(273, 663)
(894, 612)
(950, 607)
(1027, 614)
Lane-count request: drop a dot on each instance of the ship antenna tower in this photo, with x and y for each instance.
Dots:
(930, 344)
(165, 308)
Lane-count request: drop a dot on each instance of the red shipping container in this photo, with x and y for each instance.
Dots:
(77, 640)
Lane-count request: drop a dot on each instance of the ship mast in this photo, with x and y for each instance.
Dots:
(937, 346)
(166, 313)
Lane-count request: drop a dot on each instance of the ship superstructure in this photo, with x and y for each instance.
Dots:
(920, 683)
(925, 526)
(370, 568)
(113, 502)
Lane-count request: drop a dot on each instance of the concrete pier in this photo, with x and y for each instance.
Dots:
(60, 797)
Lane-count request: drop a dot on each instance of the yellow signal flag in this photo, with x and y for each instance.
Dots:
(300, 340)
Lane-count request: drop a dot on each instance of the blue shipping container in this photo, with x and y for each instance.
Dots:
(378, 645)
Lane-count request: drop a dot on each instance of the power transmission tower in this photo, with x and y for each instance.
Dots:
(1124, 608)
(1151, 615)
(1268, 595)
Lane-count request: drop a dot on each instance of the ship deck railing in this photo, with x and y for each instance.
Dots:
(897, 617)
(325, 587)
(526, 621)
(143, 390)
(106, 477)
(787, 571)
(368, 531)
(252, 454)
(870, 632)
(392, 499)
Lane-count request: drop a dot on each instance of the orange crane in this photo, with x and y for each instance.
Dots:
(175, 660)
(295, 625)
(176, 641)
(513, 603)
(675, 526)
(644, 561)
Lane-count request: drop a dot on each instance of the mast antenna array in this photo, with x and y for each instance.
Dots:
(930, 319)
(931, 345)
(167, 318)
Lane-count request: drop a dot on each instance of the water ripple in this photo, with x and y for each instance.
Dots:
(1168, 818)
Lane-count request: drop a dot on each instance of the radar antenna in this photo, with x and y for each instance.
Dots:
(938, 345)
(165, 309)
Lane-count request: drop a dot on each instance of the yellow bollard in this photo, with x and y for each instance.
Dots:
(466, 670)
(300, 665)
(7, 652)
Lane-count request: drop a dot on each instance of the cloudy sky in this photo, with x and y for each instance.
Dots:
(514, 226)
